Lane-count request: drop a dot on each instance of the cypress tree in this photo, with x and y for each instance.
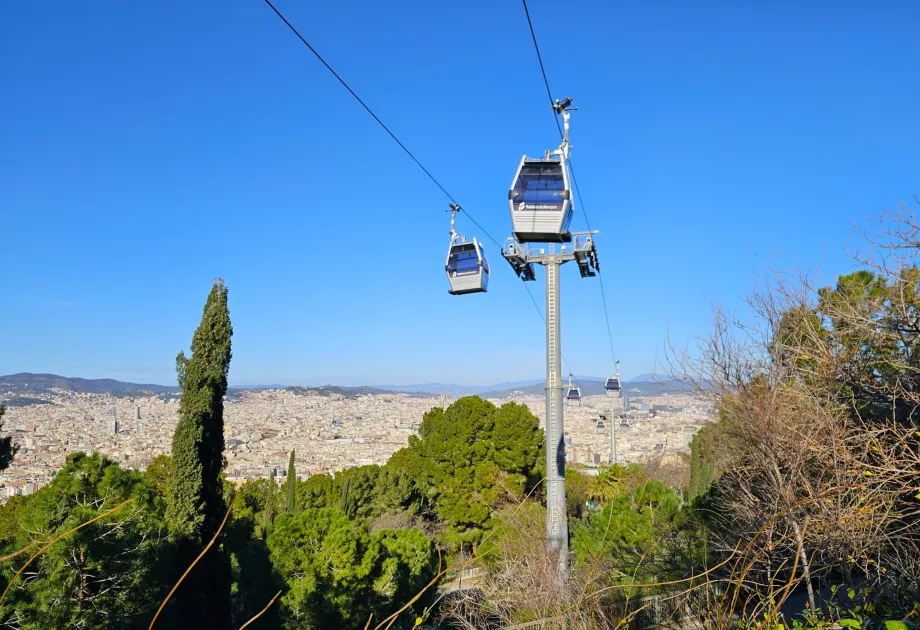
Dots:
(695, 482)
(8, 449)
(290, 489)
(268, 513)
(195, 498)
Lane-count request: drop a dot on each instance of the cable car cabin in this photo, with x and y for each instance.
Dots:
(541, 201)
(613, 386)
(624, 423)
(574, 394)
(467, 268)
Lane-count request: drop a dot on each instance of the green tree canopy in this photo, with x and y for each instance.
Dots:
(102, 576)
(318, 491)
(630, 532)
(338, 574)
(468, 458)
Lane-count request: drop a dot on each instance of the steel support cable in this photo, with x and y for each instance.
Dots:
(376, 118)
(397, 140)
(549, 94)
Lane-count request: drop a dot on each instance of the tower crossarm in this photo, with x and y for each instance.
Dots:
(585, 252)
(518, 257)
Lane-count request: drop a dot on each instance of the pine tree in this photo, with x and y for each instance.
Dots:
(195, 499)
(290, 498)
(268, 514)
(7, 448)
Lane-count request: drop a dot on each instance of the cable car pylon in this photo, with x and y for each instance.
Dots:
(541, 207)
(614, 390)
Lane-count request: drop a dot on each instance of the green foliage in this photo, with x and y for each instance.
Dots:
(195, 496)
(338, 574)
(268, 509)
(517, 527)
(577, 492)
(872, 608)
(615, 480)
(704, 450)
(357, 488)
(254, 579)
(11, 519)
(871, 329)
(196, 503)
(103, 576)
(630, 533)
(469, 458)
(7, 448)
(290, 487)
(318, 491)
(157, 474)
(397, 489)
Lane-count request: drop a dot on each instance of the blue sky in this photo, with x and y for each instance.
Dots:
(147, 147)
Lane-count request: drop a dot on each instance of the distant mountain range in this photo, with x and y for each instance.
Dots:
(26, 383)
(26, 387)
(458, 390)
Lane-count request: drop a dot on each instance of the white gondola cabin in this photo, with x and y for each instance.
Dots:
(540, 198)
(541, 201)
(467, 267)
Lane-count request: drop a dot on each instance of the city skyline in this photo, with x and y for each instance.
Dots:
(392, 386)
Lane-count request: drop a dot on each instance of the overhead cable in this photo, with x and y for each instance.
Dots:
(549, 94)
(396, 139)
(375, 117)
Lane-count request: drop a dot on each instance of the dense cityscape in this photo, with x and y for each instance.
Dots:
(330, 431)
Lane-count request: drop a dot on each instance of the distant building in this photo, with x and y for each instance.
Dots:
(116, 427)
(137, 412)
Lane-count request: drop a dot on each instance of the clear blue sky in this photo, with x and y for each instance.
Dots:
(146, 147)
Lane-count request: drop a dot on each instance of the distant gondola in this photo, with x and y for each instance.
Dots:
(612, 385)
(574, 393)
(467, 267)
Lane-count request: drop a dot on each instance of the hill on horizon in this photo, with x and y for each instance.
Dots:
(25, 384)
(28, 383)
